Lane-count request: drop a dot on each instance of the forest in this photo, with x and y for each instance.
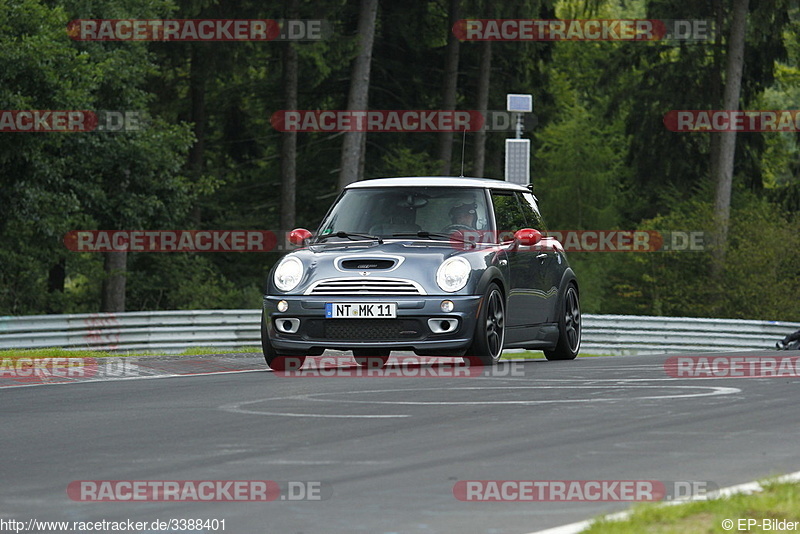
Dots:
(209, 156)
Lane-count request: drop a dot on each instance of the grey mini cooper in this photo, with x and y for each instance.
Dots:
(440, 266)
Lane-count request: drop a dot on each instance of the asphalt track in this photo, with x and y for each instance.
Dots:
(386, 450)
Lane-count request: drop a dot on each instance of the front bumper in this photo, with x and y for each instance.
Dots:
(410, 330)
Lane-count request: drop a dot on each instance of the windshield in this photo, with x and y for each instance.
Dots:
(385, 212)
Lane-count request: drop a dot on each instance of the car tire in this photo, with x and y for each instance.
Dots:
(371, 358)
(274, 359)
(569, 327)
(490, 329)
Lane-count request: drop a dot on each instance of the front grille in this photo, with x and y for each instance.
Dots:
(365, 286)
(365, 329)
(367, 264)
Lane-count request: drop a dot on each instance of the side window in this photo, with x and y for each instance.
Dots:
(508, 215)
(531, 210)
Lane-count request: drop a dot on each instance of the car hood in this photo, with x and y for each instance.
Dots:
(413, 260)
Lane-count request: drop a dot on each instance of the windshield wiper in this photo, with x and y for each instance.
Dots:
(425, 234)
(350, 236)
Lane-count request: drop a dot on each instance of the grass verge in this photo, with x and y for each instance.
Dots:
(778, 501)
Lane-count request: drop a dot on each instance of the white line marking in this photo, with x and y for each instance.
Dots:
(323, 462)
(114, 379)
(314, 397)
(237, 408)
(714, 391)
(507, 378)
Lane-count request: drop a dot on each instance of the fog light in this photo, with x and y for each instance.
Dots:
(447, 306)
(287, 325)
(440, 325)
(283, 306)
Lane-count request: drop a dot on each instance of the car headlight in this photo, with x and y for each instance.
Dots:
(453, 274)
(288, 273)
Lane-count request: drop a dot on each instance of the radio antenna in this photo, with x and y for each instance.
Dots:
(463, 145)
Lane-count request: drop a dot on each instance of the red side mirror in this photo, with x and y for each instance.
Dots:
(298, 236)
(527, 237)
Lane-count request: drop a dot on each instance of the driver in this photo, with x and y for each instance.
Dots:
(464, 215)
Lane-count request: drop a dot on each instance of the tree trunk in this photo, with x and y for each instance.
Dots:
(362, 160)
(358, 98)
(55, 284)
(115, 265)
(727, 140)
(716, 83)
(289, 139)
(450, 87)
(198, 74)
(484, 81)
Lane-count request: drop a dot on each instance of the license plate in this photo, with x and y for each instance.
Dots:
(360, 310)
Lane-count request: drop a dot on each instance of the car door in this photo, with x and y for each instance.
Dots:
(550, 259)
(526, 296)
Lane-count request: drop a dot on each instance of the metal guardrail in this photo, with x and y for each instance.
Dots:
(173, 331)
(636, 334)
(170, 331)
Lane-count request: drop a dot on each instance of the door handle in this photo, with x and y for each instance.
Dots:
(541, 257)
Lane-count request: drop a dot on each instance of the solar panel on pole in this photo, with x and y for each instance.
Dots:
(518, 161)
